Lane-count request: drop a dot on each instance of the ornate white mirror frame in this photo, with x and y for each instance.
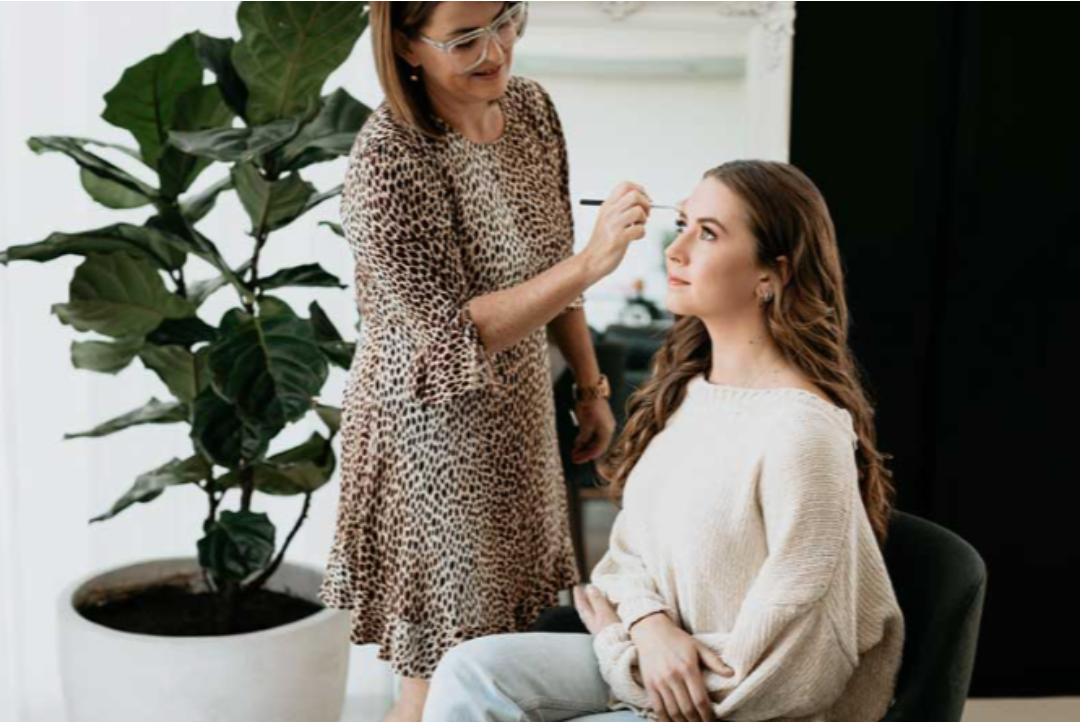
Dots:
(673, 39)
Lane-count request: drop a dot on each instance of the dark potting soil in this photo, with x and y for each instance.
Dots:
(169, 610)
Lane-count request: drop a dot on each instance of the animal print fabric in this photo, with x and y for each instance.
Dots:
(452, 522)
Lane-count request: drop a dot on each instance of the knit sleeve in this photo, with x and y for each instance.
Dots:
(623, 577)
(792, 646)
(564, 215)
(397, 215)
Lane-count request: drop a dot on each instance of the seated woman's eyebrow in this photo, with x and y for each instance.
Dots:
(708, 220)
(711, 220)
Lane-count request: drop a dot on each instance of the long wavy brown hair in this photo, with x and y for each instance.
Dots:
(807, 318)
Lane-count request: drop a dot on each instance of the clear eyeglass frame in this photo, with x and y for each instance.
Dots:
(455, 48)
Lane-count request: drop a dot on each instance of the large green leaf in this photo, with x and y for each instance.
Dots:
(145, 99)
(319, 198)
(328, 136)
(303, 469)
(235, 145)
(163, 249)
(331, 417)
(336, 228)
(237, 545)
(307, 275)
(325, 331)
(340, 354)
(270, 365)
(222, 435)
(337, 350)
(198, 110)
(111, 194)
(74, 148)
(215, 55)
(119, 295)
(287, 51)
(150, 485)
(173, 221)
(271, 204)
(182, 371)
(197, 206)
(108, 357)
(200, 291)
(186, 332)
(154, 412)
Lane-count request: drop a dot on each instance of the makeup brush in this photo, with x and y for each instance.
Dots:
(600, 202)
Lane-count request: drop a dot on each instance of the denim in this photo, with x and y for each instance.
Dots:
(522, 677)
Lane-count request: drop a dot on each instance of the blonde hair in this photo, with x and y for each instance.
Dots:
(808, 319)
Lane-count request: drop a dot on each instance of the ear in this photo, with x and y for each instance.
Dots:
(785, 269)
(403, 47)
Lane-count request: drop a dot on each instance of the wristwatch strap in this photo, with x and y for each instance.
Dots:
(600, 391)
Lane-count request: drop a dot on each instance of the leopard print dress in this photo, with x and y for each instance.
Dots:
(452, 522)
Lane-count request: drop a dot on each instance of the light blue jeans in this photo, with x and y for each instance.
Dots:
(521, 677)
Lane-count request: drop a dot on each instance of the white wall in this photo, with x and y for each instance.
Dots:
(56, 62)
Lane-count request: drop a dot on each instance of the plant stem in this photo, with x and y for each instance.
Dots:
(181, 285)
(261, 232)
(247, 486)
(263, 577)
(260, 241)
(215, 499)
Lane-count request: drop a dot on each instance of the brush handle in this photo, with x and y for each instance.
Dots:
(600, 202)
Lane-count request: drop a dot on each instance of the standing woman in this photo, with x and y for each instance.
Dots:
(452, 523)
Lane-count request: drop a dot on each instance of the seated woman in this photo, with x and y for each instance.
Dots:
(745, 578)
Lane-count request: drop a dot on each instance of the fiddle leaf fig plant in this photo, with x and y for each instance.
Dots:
(259, 122)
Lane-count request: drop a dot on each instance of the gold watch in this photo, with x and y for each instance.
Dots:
(600, 391)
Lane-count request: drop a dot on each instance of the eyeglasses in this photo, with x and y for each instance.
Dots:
(469, 51)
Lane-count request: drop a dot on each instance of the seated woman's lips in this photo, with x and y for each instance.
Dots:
(676, 282)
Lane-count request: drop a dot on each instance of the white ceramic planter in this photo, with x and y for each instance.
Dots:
(295, 672)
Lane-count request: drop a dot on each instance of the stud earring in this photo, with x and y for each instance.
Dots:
(767, 296)
(414, 77)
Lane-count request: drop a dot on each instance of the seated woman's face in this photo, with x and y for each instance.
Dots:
(712, 265)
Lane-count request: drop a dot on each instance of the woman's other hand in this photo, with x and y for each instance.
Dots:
(621, 221)
(595, 610)
(596, 428)
(670, 660)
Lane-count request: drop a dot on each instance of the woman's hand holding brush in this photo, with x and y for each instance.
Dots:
(621, 221)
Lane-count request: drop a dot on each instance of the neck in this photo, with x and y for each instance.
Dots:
(478, 121)
(742, 350)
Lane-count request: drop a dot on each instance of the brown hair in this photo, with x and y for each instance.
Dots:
(808, 319)
(408, 99)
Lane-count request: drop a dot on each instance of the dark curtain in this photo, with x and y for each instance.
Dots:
(944, 137)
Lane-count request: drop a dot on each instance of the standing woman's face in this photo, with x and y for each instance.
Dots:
(448, 74)
(713, 270)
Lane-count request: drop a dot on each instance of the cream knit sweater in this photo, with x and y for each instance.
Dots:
(743, 522)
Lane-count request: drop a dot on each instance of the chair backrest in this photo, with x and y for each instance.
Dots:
(940, 582)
